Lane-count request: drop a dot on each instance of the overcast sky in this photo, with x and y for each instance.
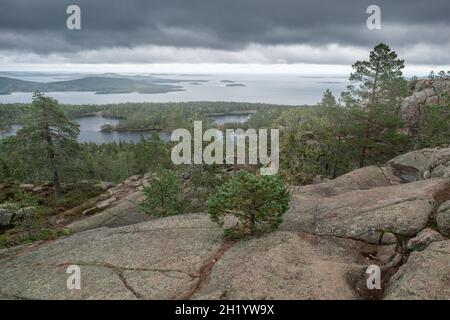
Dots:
(227, 35)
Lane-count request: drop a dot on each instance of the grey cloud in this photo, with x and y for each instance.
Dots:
(232, 25)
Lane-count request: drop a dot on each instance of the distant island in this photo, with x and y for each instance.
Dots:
(227, 81)
(235, 85)
(104, 84)
(328, 82)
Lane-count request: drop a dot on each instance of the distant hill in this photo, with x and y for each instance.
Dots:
(98, 84)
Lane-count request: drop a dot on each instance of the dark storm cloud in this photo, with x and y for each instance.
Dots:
(39, 26)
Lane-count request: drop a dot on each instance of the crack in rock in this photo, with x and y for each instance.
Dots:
(205, 271)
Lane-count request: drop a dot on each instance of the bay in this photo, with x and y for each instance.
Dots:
(255, 88)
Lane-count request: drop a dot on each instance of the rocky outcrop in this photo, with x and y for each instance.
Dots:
(426, 275)
(413, 109)
(395, 217)
(119, 206)
(184, 257)
(368, 215)
(403, 210)
(124, 212)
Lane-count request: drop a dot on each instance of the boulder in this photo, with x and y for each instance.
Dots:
(85, 206)
(364, 178)
(443, 219)
(37, 189)
(90, 211)
(423, 239)
(124, 212)
(26, 186)
(386, 253)
(104, 185)
(426, 275)
(5, 217)
(105, 203)
(411, 166)
(371, 214)
(368, 214)
(440, 164)
(23, 212)
(132, 179)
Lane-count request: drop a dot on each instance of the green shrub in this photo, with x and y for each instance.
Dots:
(253, 204)
(16, 236)
(162, 195)
(29, 222)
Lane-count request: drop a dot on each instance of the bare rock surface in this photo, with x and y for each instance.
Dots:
(285, 265)
(183, 257)
(153, 260)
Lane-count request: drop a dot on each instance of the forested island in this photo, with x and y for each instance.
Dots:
(156, 116)
(100, 84)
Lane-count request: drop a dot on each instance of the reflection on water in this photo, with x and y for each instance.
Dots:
(230, 118)
(90, 132)
(11, 132)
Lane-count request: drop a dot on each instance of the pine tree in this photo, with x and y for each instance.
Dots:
(256, 202)
(48, 132)
(162, 195)
(379, 84)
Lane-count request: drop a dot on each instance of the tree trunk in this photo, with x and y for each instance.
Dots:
(363, 155)
(338, 150)
(54, 166)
